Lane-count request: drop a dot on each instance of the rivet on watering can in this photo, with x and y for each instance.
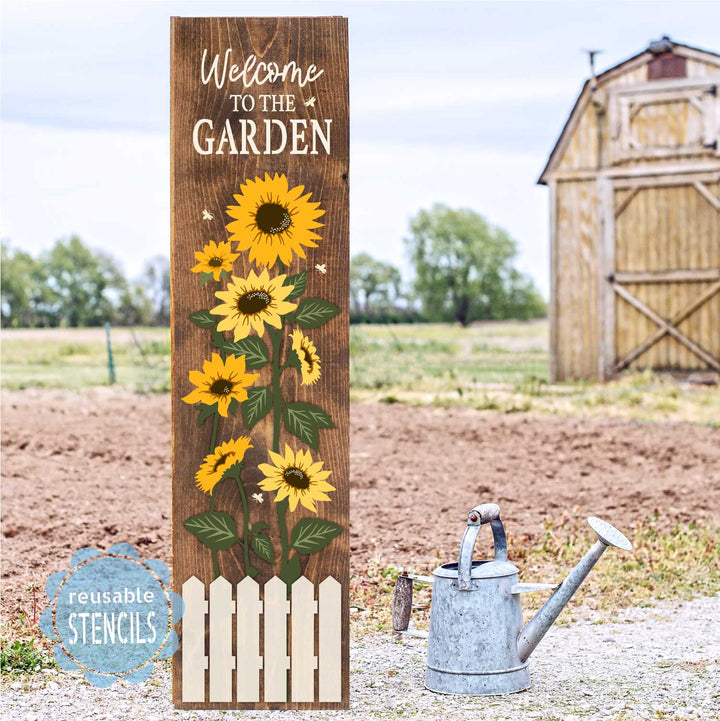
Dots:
(477, 644)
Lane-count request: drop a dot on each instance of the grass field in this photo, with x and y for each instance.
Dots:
(499, 366)
(77, 358)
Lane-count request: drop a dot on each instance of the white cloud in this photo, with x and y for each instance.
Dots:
(423, 93)
(110, 188)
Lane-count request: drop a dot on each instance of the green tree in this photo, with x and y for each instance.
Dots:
(27, 299)
(17, 282)
(463, 267)
(156, 282)
(87, 283)
(374, 284)
(133, 307)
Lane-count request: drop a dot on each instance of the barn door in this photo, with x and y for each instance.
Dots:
(663, 288)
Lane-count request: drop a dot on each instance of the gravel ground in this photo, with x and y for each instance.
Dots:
(657, 663)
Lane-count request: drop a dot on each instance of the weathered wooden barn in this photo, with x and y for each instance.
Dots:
(635, 219)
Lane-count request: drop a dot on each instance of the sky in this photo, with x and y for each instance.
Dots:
(450, 102)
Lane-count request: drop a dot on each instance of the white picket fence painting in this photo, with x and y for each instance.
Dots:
(277, 657)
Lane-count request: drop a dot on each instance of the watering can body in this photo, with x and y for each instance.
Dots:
(477, 643)
(472, 641)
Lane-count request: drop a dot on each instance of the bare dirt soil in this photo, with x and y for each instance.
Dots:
(93, 468)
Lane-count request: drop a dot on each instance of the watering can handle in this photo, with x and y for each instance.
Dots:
(484, 513)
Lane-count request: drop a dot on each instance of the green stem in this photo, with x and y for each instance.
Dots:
(276, 337)
(213, 551)
(213, 438)
(246, 524)
(282, 508)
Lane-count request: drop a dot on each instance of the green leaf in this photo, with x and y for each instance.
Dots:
(205, 277)
(293, 359)
(311, 535)
(304, 419)
(233, 406)
(206, 412)
(291, 571)
(233, 471)
(257, 405)
(253, 348)
(299, 280)
(262, 547)
(313, 312)
(218, 339)
(258, 527)
(203, 318)
(216, 529)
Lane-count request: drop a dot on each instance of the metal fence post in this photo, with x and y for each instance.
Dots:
(111, 365)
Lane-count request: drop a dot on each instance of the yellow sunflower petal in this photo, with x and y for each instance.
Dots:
(282, 494)
(193, 397)
(308, 502)
(323, 486)
(241, 330)
(196, 377)
(293, 500)
(277, 459)
(223, 404)
(268, 470)
(270, 484)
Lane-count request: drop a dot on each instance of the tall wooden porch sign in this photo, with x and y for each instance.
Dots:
(259, 137)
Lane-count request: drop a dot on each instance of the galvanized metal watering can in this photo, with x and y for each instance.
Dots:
(477, 642)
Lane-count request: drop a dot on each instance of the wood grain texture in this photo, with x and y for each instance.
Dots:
(209, 182)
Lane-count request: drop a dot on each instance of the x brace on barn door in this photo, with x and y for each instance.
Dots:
(667, 326)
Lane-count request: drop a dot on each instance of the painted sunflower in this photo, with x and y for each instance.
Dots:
(309, 359)
(216, 463)
(220, 382)
(273, 221)
(296, 478)
(215, 258)
(250, 303)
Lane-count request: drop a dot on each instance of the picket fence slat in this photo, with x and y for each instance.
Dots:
(194, 660)
(222, 662)
(276, 657)
(302, 642)
(249, 661)
(330, 640)
(277, 662)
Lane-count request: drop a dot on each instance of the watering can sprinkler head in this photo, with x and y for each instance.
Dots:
(538, 626)
(477, 644)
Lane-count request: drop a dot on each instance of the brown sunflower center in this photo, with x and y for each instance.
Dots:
(215, 262)
(272, 218)
(297, 478)
(221, 461)
(253, 302)
(221, 387)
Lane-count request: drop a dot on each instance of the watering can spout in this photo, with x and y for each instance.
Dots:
(538, 626)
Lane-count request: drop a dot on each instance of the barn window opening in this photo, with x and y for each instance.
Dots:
(667, 65)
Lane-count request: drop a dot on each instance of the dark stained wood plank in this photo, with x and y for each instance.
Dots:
(208, 182)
